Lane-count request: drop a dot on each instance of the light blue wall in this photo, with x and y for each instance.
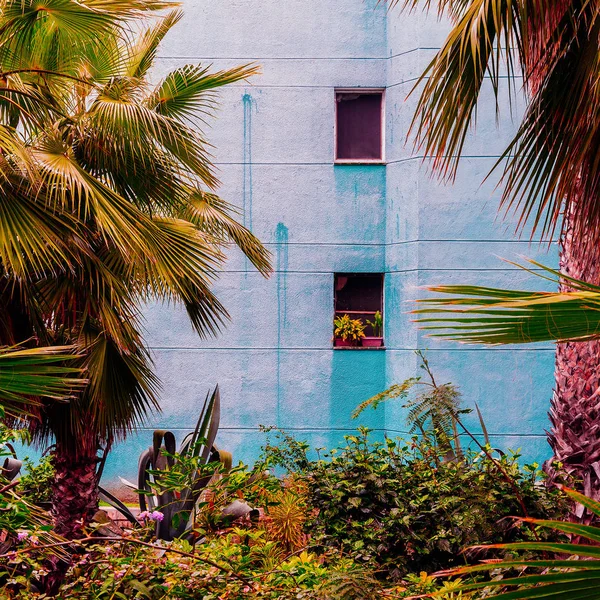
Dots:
(273, 142)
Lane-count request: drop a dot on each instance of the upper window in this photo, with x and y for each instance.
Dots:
(359, 126)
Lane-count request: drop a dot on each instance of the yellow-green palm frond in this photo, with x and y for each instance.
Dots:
(141, 53)
(121, 391)
(102, 201)
(33, 239)
(188, 92)
(214, 216)
(51, 30)
(481, 315)
(29, 373)
(182, 269)
(453, 8)
(123, 388)
(71, 187)
(130, 127)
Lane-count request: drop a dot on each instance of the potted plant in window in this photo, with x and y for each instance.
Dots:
(347, 331)
(376, 340)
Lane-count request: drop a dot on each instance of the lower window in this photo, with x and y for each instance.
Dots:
(358, 319)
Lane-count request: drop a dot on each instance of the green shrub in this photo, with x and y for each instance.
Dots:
(36, 481)
(399, 507)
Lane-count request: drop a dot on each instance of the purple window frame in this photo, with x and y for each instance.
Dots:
(360, 160)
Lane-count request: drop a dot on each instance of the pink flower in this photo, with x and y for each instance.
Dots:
(143, 515)
(22, 535)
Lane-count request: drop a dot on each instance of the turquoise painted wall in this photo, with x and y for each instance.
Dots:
(273, 142)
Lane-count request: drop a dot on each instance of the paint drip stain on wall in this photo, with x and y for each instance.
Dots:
(281, 238)
(249, 104)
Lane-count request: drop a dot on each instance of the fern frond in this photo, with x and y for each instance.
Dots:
(398, 390)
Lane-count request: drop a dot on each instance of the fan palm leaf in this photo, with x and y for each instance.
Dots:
(188, 92)
(26, 374)
(215, 216)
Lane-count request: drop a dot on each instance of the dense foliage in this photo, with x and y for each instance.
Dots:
(36, 481)
(361, 522)
(369, 519)
(400, 507)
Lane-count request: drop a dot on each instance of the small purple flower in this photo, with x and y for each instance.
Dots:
(22, 535)
(156, 516)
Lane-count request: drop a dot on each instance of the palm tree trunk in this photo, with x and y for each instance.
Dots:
(575, 408)
(75, 487)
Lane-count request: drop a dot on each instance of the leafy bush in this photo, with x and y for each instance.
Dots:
(242, 563)
(36, 481)
(401, 507)
(23, 528)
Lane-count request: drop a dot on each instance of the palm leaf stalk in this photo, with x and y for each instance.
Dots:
(550, 179)
(107, 200)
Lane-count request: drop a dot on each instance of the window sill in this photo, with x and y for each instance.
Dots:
(359, 161)
(359, 347)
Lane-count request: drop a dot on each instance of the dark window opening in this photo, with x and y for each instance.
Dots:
(360, 296)
(359, 126)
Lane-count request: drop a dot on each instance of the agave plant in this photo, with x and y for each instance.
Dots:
(107, 200)
(573, 575)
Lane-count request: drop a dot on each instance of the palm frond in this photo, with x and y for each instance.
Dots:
(142, 53)
(479, 46)
(32, 239)
(37, 372)
(214, 216)
(187, 93)
(131, 125)
(123, 389)
(181, 269)
(566, 577)
(554, 48)
(475, 314)
(553, 157)
(52, 33)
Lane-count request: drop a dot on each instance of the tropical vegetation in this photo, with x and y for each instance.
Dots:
(366, 520)
(550, 180)
(571, 572)
(108, 201)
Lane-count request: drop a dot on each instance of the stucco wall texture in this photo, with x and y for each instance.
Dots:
(274, 147)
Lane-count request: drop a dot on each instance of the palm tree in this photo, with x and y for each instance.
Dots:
(107, 199)
(551, 175)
